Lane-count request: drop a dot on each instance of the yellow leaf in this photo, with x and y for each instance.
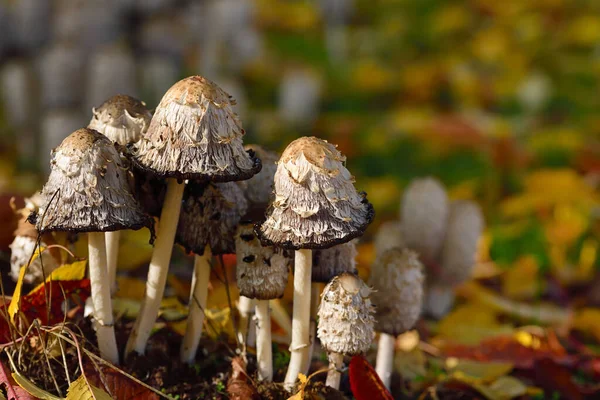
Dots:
(482, 371)
(81, 390)
(587, 320)
(172, 309)
(134, 249)
(128, 308)
(130, 288)
(521, 280)
(302, 378)
(32, 389)
(67, 272)
(470, 323)
(13, 307)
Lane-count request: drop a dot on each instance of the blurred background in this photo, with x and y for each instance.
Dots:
(499, 100)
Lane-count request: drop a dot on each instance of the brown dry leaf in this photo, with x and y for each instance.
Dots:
(239, 385)
(117, 384)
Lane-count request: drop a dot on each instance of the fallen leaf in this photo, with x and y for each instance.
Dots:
(118, 385)
(130, 288)
(32, 389)
(81, 390)
(239, 385)
(554, 377)
(484, 371)
(15, 302)
(587, 321)
(8, 385)
(365, 382)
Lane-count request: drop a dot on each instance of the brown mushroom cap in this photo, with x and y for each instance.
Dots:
(262, 272)
(210, 213)
(334, 261)
(122, 119)
(346, 316)
(424, 215)
(195, 134)
(397, 280)
(87, 190)
(316, 205)
(465, 226)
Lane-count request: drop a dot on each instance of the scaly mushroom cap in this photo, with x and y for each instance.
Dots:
(388, 236)
(334, 261)
(122, 119)
(346, 316)
(424, 215)
(210, 213)
(195, 134)
(87, 190)
(397, 280)
(259, 188)
(262, 272)
(465, 226)
(316, 205)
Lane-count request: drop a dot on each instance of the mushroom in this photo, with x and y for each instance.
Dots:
(465, 226)
(262, 274)
(316, 206)
(195, 135)
(327, 263)
(397, 280)
(87, 191)
(423, 215)
(123, 119)
(345, 322)
(388, 236)
(207, 224)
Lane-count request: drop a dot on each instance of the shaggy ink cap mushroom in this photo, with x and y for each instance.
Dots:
(259, 188)
(122, 118)
(261, 272)
(87, 190)
(388, 236)
(328, 263)
(316, 205)
(397, 282)
(346, 316)
(210, 213)
(423, 215)
(195, 135)
(465, 226)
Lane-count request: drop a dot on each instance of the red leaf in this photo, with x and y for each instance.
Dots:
(118, 385)
(364, 381)
(13, 391)
(239, 386)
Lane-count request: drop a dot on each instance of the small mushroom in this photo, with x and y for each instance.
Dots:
(345, 322)
(207, 224)
(465, 226)
(194, 134)
(424, 215)
(388, 236)
(259, 188)
(87, 191)
(397, 280)
(122, 119)
(315, 206)
(262, 274)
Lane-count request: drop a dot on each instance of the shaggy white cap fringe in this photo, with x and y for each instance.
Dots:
(334, 261)
(123, 119)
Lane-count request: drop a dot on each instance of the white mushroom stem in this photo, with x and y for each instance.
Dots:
(300, 344)
(105, 330)
(334, 375)
(264, 352)
(439, 300)
(247, 332)
(197, 307)
(385, 358)
(159, 268)
(315, 295)
(112, 254)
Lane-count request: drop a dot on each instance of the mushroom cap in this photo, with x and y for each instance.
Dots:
(87, 190)
(346, 316)
(21, 250)
(121, 118)
(397, 280)
(424, 215)
(316, 205)
(465, 226)
(210, 213)
(388, 236)
(328, 263)
(195, 134)
(262, 271)
(259, 188)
